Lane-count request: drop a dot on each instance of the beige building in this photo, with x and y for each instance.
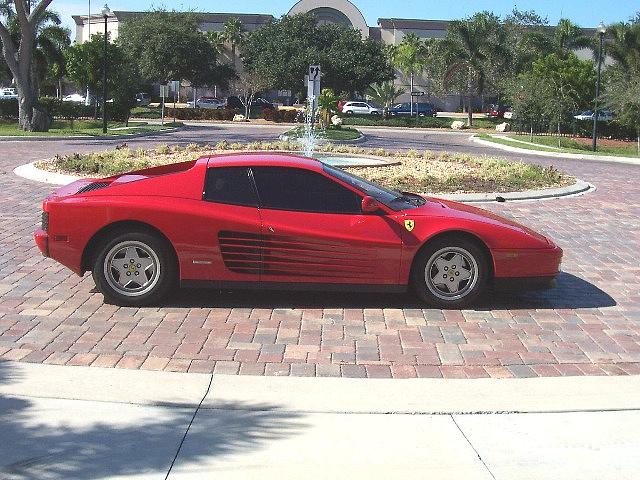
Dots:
(390, 31)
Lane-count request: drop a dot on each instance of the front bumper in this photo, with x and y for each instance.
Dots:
(523, 283)
(42, 241)
(516, 263)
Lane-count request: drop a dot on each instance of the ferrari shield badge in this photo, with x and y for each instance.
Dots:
(409, 224)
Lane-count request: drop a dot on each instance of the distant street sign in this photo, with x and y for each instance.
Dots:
(164, 91)
(314, 72)
(417, 94)
(175, 85)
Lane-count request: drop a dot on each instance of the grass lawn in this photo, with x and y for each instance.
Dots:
(433, 172)
(344, 133)
(90, 128)
(549, 143)
(420, 122)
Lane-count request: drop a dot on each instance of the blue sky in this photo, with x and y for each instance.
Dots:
(586, 13)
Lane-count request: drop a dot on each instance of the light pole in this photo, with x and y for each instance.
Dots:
(105, 13)
(601, 31)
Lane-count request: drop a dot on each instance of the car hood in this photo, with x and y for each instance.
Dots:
(447, 208)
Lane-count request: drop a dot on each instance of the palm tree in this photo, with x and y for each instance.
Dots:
(409, 57)
(623, 45)
(233, 33)
(568, 37)
(472, 49)
(384, 94)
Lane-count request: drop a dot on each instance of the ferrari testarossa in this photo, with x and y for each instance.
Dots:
(282, 221)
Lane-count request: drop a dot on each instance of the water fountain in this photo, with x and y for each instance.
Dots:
(309, 140)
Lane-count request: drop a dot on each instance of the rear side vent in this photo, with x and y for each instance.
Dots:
(93, 186)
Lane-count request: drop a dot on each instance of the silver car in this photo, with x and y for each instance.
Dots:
(208, 102)
(361, 108)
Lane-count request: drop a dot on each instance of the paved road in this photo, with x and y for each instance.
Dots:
(589, 325)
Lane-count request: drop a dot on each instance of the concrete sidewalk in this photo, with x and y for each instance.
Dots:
(61, 422)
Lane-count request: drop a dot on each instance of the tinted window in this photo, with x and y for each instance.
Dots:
(284, 188)
(230, 185)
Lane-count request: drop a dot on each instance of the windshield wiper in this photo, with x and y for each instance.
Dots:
(412, 198)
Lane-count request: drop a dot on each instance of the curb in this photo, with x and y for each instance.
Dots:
(323, 395)
(360, 139)
(540, 153)
(29, 171)
(87, 137)
(578, 188)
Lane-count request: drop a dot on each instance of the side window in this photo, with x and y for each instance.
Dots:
(230, 185)
(282, 188)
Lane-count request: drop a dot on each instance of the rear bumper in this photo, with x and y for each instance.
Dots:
(42, 241)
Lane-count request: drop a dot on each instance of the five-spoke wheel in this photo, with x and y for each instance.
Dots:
(134, 268)
(450, 272)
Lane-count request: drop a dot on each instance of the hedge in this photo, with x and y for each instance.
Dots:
(9, 108)
(280, 116)
(200, 113)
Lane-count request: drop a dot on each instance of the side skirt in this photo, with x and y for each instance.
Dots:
(312, 287)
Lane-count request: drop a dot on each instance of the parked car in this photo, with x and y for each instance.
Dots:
(603, 115)
(361, 108)
(143, 99)
(74, 97)
(8, 93)
(260, 220)
(496, 110)
(420, 109)
(236, 103)
(207, 102)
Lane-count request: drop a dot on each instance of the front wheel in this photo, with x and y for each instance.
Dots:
(450, 273)
(134, 269)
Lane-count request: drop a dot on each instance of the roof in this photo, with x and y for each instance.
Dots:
(264, 159)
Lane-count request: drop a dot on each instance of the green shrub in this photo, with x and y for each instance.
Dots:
(201, 113)
(280, 116)
(9, 108)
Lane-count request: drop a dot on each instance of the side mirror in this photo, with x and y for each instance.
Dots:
(370, 205)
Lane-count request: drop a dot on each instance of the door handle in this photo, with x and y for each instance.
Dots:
(271, 230)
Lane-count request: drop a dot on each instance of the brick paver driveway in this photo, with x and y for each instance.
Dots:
(589, 325)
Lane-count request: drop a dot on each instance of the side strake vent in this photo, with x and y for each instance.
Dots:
(93, 186)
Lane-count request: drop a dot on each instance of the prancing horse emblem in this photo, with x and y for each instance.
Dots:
(409, 224)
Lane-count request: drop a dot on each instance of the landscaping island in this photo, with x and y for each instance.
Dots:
(433, 172)
(331, 133)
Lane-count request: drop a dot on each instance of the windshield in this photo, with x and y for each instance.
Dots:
(393, 199)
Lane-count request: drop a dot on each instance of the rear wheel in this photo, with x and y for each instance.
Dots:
(349, 112)
(450, 273)
(134, 269)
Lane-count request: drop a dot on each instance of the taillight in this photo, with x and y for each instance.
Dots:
(45, 221)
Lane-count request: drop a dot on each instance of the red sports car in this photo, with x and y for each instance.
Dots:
(282, 221)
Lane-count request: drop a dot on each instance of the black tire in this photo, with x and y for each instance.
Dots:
(451, 251)
(108, 266)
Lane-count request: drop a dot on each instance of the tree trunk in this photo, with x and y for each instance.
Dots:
(469, 92)
(31, 116)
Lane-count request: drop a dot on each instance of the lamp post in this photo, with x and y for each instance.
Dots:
(105, 13)
(601, 31)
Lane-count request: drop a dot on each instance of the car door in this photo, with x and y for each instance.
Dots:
(315, 232)
(228, 228)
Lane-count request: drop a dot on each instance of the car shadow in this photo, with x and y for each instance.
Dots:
(571, 292)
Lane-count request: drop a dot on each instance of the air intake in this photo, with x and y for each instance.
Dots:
(93, 186)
